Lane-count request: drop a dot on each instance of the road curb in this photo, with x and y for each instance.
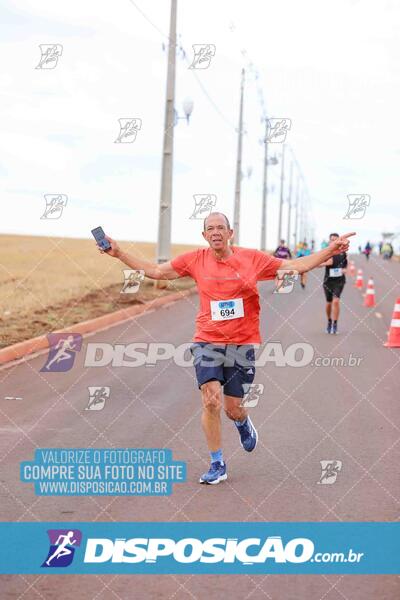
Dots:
(21, 349)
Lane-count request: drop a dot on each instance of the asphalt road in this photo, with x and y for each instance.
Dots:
(306, 415)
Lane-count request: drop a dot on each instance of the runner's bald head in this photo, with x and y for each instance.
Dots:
(213, 214)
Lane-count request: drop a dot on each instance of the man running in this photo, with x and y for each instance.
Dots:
(227, 325)
(334, 281)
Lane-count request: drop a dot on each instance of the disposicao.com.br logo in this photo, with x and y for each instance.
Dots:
(247, 551)
(200, 547)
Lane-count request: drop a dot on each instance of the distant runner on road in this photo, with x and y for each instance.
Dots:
(282, 251)
(227, 324)
(334, 282)
(303, 250)
(367, 250)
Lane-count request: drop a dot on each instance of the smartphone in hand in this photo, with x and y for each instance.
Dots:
(100, 238)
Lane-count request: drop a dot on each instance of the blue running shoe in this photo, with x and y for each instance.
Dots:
(215, 474)
(334, 328)
(329, 327)
(248, 435)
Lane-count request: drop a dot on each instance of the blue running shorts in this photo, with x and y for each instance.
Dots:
(232, 365)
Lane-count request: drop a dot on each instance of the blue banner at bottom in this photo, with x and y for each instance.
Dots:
(195, 548)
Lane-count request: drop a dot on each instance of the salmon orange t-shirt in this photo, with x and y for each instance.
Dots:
(234, 277)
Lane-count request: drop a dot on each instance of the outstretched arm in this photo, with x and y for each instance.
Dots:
(151, 270)
(327, 263)
(307, 263)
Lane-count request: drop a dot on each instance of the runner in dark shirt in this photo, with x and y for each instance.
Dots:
(334, 281)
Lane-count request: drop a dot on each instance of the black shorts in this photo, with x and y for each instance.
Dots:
(231, 365)
(332, 288)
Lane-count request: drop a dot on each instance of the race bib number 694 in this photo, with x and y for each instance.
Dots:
(224, 310)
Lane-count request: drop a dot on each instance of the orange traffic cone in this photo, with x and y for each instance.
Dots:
(369, 298)
(352, 269)
(359, 281)
(394, 331)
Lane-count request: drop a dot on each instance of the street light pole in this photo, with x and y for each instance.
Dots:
(164, 223)
(265, 193)
(302, 224)
(290, 204)
(297, 211)
(236, 213)
(281, 199)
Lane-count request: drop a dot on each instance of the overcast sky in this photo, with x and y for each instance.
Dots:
(332, 68)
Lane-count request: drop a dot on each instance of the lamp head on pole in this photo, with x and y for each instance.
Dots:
(187, 106)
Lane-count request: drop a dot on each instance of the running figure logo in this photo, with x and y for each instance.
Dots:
(330, 470)
(203, 205)
(55, 203)
(277, 130)
(62, 547)
(50, 55)
(62, 350)
(97, 397)
(132, 281)
(128, 129)
(252, 392)
(203, 54)
(284, 281)
(357, 206)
